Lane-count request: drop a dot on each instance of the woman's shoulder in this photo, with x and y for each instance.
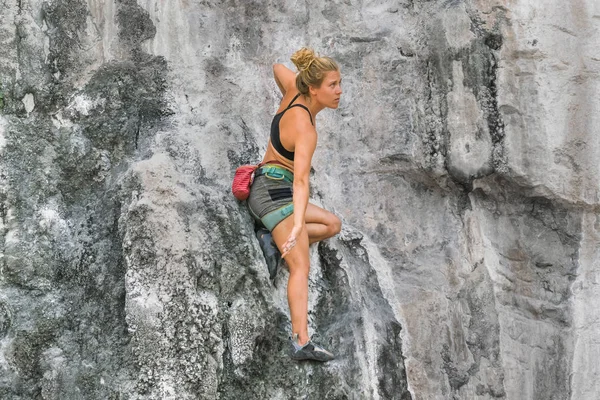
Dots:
(297, 118)
(286, 100)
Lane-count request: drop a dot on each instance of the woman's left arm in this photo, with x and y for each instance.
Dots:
(284, 77)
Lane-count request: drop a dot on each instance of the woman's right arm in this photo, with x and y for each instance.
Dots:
(285, 78)
(306, 142)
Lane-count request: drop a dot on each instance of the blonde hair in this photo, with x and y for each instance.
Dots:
(311, 69)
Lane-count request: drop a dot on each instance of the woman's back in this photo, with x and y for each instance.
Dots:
(281, 145)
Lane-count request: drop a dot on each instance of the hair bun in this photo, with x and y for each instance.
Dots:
(303, 58)
(311, 69)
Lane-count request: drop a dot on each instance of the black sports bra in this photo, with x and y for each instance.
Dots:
(275, 139)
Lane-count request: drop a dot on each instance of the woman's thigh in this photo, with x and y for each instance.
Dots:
(314, 215)
(317, 215)
(298, 255)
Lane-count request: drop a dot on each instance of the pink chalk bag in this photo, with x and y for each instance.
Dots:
(242, 180)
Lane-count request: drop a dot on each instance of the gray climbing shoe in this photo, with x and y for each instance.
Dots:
(310, 351)
(270, 251)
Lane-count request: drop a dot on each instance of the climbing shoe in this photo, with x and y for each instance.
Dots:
(310, 351)
(270, 251)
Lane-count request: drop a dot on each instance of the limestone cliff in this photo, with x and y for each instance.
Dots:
(463, 162)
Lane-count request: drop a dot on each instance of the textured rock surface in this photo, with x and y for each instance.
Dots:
(463, 162)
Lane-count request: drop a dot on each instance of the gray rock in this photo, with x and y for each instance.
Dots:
(462, 161)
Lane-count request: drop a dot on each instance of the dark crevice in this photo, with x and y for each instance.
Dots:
(3, 215)
(480, 69)
(10, 105)
(406, 53)
(435, 132)
(137, 130)
(338, 317)
(487, 45)
(227, 358)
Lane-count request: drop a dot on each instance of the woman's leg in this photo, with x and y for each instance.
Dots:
(321, 224)
(298, 264)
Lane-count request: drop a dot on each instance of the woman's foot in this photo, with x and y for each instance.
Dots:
(270, 251)
(309, 351)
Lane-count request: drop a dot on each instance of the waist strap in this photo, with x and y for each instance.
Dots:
(275, 172)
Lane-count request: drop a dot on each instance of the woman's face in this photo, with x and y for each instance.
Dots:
(330, 91)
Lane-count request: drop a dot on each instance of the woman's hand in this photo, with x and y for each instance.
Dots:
(291, 241)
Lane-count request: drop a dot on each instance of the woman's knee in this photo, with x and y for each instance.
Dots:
(297, 266)
(335, 225)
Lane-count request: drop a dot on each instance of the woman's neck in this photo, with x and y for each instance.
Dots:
(313, 106)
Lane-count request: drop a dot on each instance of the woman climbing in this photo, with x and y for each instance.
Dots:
(279, 193)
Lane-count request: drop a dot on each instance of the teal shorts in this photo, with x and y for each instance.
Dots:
(271, 195)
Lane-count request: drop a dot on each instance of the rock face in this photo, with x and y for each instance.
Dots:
(463, 163)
